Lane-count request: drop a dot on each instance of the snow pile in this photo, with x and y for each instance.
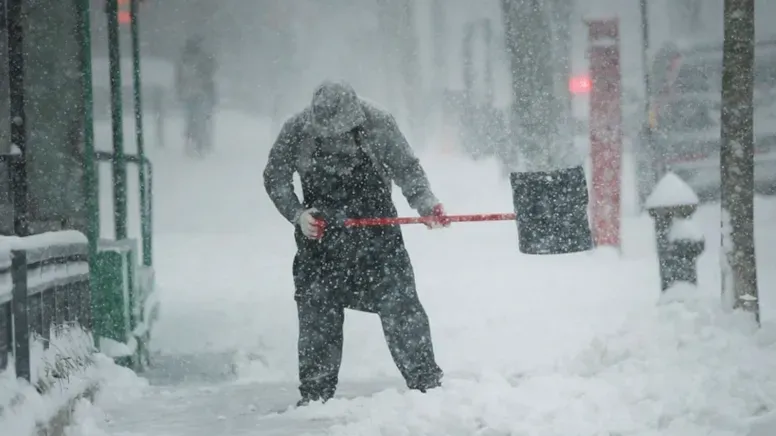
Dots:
(65, 370)
(683, 367)
(764, 426)
(113, 348)
(117, 386)
(30, 408)
(671, 191)
(20, 404)
(62, 371)
(712, 260)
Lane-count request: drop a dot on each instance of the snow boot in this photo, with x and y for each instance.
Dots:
(425, 383)
(427, 387)
(306, 400)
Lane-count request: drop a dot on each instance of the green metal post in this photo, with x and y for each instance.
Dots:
(117, 118)
(90, 187)
(90, 182)
(14, 29)
(145, 222)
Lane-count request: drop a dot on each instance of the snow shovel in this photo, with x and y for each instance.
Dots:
(552, 216)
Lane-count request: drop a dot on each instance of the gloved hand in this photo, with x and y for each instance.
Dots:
(441, 220)
(311, 226)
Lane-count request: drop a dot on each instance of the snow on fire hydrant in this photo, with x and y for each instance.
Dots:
(679, 241)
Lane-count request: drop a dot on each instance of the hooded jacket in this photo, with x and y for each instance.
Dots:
(336, 109)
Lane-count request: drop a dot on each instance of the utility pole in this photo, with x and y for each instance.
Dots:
(739, 268)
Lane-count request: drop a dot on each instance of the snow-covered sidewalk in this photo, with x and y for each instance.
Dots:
(579, 344)
(677, 368)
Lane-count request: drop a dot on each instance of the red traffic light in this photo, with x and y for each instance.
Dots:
(580, 84)
(124, 16)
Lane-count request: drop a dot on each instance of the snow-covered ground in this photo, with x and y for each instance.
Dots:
(567, 345)
(23, 407)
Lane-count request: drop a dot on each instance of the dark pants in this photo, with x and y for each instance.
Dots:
(199, 119)
(366, 269)
(407, 332)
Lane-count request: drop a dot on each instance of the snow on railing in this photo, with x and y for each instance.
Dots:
(44, 286)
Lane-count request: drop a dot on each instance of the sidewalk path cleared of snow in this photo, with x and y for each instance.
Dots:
(578, 344)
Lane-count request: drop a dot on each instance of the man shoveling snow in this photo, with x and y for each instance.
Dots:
(347, 154)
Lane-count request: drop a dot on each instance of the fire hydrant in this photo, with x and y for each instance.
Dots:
(679, 240)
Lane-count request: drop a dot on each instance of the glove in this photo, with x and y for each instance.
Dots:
(311, 226)
(441, 220)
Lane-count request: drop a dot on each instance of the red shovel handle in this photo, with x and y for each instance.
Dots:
(371, 222)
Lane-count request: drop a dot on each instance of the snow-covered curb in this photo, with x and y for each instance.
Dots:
(68, 411)
(65, 371)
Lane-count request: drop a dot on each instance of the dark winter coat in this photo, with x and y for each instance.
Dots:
(347, 154)
(195, 77)
(382, 141)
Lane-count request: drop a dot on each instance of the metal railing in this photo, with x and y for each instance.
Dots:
(44, 285)
(145, 195)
